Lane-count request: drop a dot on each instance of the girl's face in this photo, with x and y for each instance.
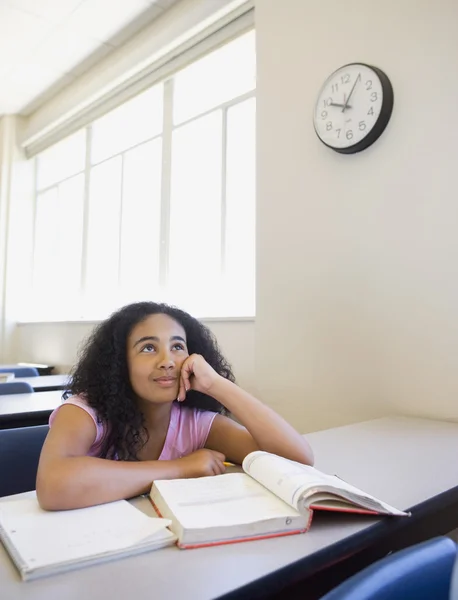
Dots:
(156, 350)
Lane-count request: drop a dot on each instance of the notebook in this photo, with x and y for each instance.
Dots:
(43, 543)
(272, 497)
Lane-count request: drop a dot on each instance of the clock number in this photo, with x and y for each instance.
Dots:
(329, 126)
(338, 132)
(335, 88)
(327, 102)
(368, 85)
(349, 134)
(324, 114)
(371, 111)
(345, 78)
(362, 125)
(374, 96)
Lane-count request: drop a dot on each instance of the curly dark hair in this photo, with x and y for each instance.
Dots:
(101, 374)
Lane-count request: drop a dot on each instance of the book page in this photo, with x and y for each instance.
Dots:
(297, 484)
(221, 500)
(42, 538)
(285, 478)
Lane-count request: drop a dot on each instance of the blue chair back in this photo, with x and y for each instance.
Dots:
(20, 371)
(454, 583)
(421, 572)
(19, 455)
(15, 387)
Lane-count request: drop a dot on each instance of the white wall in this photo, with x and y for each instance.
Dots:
(16, 226)
(4, 184)
(357, 283)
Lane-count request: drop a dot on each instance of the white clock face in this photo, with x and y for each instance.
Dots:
(348, 106)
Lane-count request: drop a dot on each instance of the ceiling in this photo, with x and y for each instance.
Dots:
(47, 44)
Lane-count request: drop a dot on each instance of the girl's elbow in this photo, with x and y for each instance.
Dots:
(46, 499)
(50, 492)
(300, 454)
(307, 456)
(310, 460)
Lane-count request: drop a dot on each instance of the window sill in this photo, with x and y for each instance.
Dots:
(97, 321)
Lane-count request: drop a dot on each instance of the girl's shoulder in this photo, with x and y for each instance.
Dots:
(101, 426)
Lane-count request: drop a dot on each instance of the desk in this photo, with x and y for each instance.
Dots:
(407, 462)
(46, 383)
(42, 369)
(19, 410)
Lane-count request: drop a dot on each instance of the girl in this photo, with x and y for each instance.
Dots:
(150, 394)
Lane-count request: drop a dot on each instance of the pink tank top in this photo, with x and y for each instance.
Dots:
(188, 429)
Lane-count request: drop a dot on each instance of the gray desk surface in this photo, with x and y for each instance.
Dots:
(21, 404)
(403, 461)
(46, 382)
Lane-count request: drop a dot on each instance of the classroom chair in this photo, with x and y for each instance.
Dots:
(20, 371)
(421, 572)
(19, 454)
(454, 583)
(15, 387)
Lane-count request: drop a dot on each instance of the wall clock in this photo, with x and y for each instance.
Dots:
(353, 108)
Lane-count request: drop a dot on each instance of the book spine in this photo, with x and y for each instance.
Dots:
(358, 511)
(158, 512)
(238, 540)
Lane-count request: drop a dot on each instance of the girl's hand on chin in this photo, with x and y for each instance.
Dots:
(196, 374)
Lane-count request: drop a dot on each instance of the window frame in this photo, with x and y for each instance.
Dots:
(168, 128)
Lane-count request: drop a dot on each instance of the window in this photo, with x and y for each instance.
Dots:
(155, 200)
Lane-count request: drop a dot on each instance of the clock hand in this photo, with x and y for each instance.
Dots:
(338, 104)
(351, 92)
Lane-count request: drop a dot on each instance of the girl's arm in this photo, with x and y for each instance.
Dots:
(261, 428)
(67, 478)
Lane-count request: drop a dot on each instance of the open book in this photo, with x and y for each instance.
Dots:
(274, 496)
(43, 543)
